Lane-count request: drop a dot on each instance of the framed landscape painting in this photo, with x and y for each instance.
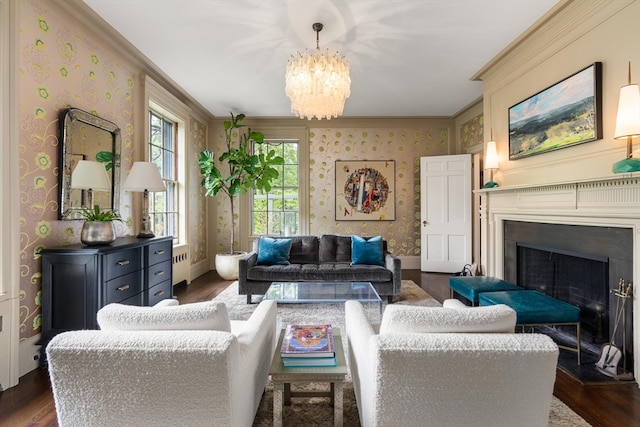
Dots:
(562, 115)
(365, 190)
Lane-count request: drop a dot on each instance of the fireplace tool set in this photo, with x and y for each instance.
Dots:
(610, 354)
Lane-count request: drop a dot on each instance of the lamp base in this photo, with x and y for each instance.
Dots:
(490, 184)
(630, 164)
(144, 235)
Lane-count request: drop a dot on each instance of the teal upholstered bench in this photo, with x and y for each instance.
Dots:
(471, 286)
(536, 309)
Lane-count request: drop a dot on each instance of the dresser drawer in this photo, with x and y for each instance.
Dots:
(159, 292)
(121, 288)
(122, 262)
(158, 252)
(157, 273)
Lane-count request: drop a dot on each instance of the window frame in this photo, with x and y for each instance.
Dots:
(301, 134)
(165, 104)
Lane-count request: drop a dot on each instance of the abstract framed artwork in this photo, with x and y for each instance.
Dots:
(564, 114)
(365, 190)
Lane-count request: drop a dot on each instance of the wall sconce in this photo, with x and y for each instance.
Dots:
(91, 176)
(144, 177)
(628, 124)
(491, 163)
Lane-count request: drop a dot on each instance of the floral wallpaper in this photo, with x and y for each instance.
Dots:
(197, 200)
(60, 67)
(404, 145)
(472, 133)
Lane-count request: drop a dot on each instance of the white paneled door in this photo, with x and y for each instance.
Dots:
(445, 213)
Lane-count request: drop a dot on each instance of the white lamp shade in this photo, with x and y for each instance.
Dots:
(144, 176)
(491, 156)
(628, 118)
(90, 175)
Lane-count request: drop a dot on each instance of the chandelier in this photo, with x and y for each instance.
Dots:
(317, 83)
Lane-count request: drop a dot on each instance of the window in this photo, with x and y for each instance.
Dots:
(277, 213)
(162, 152)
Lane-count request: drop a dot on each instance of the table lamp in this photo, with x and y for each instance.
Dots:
(491, 163)
(91, 176)
(628, 124)
(144, 177)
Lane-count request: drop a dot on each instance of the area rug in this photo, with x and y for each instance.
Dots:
(318, 411)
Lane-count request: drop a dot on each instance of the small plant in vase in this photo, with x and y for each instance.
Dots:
(98, 227)
(239, 170)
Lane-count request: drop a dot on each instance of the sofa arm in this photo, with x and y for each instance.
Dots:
(260, 329)
(393, 263)
(244, 264)
(257, 341)
(360, 334)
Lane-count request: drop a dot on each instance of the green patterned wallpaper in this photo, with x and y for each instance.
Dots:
(404, 145)
(60, 67)
(472, 133)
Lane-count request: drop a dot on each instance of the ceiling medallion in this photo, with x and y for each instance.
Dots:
(317, 83)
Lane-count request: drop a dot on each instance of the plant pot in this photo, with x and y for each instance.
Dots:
(98, 233)
(227, 265)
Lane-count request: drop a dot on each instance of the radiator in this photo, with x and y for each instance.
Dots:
(181, 264)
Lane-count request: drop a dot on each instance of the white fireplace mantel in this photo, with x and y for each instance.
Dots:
(605, 202)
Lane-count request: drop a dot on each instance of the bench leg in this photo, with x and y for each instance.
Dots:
(248, 298)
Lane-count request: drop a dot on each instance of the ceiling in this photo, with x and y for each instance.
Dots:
(408, 58)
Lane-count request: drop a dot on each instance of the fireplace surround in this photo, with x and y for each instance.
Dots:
(597, 220)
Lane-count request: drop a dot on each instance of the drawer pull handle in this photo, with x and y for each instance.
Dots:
(160, 273)
(157, 294)
(123, 287)
(123, 262)
(160, 252)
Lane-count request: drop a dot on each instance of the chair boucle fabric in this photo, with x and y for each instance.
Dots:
(163, 378)
(449, 379)
(209, 315)
(413, 319)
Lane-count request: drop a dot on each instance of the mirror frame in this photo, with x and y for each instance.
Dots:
(67, 118)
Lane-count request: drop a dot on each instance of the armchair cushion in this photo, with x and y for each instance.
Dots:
(413, 319)
(209, 315)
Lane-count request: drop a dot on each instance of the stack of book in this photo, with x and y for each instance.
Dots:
(308, 345)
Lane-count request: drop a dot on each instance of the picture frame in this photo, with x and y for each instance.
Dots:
(365, 190)
(565, 114)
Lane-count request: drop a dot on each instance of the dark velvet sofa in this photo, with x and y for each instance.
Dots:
(324, 258)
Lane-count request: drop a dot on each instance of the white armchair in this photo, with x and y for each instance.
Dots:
(151, 376)
(435, 367)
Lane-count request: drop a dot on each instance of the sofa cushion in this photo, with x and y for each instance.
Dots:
(273, 251)
(330, 272)
(367, 251)
(209, 315)
(413, 319)
(335, 248)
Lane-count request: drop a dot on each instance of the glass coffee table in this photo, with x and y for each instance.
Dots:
(327, 293)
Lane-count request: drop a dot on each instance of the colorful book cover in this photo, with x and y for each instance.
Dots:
(308, 341)
(308, 362)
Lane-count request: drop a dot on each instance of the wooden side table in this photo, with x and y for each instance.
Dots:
(282, 379)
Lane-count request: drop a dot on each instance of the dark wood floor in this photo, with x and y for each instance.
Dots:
(30, 403)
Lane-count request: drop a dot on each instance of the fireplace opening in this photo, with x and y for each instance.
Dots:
(580, 265)
(579, 279)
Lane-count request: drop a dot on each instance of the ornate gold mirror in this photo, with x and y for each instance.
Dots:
(87, 137)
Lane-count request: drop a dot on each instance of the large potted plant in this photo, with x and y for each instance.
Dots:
(239, 169)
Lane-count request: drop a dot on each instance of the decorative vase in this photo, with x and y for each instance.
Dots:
(227, 265)
(98, 233)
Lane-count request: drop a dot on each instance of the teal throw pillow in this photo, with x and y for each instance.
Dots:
(365, 251)
(274, 251)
